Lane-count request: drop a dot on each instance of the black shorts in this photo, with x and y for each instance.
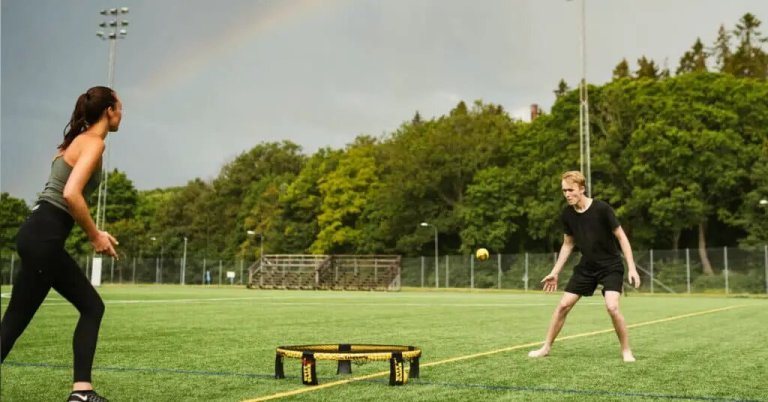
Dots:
(586, 278)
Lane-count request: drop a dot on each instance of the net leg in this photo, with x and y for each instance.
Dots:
(308, 371)
(279, 372)
(414, 368)
(345, 366)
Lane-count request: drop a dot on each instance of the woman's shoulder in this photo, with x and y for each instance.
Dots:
(87, 143)
(80, 145)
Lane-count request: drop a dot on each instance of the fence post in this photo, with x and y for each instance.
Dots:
(525, 277)
(422, 271)
(13, 262)
(112, 271)
(219, 272)
(651, 271)
(204, 270)
(242, 262)
(447, 271)
(765, 255)
(725, 260)
(471, 271)
(499, 267)
(688, 270)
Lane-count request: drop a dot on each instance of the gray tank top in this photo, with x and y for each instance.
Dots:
(53, 192)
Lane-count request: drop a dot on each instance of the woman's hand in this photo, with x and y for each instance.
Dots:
(104, 243)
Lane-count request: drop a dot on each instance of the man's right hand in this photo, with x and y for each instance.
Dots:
(550, 283)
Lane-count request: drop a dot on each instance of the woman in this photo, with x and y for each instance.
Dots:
(75, 174)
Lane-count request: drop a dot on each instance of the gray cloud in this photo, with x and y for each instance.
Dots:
(202, 81)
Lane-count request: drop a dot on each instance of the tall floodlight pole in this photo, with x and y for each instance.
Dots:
(261, 242)
(425, 224)
(764, 203)
(584, 105)
(184, 262)
(114, 29)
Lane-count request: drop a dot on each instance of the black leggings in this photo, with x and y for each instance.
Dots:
(45, 265)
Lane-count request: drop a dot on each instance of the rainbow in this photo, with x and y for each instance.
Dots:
(257, 20)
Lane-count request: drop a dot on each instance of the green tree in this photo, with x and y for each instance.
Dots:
(494, 209)
(621, 70)
(237, 189)
(345, 194)
(13, 211)
(562, 88)
(122, 199)
(426, 170)
(753, 214)
(722, 51)
(749, 60)
(183, 214)
(688, 165)
(694, 60)
(301, 203)
(647, 69)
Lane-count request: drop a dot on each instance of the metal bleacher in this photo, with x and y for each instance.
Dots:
(327, 272)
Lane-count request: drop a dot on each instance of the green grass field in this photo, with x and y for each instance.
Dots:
(173, 343)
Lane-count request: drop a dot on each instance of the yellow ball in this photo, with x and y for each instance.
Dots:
(482, 254)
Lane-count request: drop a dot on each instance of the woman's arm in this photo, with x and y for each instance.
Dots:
(86, 164)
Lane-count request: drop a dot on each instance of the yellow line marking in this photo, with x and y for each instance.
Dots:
(475, 355)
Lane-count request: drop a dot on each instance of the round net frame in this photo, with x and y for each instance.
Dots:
(345, 354)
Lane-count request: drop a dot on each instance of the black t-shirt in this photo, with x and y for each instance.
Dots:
(592, 231)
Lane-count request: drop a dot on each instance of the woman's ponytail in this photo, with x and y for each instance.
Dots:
(88, 110)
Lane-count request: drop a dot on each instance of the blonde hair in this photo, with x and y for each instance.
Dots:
(574, 176)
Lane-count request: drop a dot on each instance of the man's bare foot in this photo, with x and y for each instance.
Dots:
(539, 352)
(628, 356)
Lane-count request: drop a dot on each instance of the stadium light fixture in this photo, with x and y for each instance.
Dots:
(425, 224)
(763, 202)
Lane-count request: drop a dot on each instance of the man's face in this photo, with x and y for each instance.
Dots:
(572, 192)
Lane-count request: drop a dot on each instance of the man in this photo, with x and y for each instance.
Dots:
(590, 225)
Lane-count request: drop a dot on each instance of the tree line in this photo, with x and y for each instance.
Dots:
(682, 157)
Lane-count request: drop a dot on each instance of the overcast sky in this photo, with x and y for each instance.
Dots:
(203, 80)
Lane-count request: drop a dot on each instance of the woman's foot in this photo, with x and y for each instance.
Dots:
(86, 396)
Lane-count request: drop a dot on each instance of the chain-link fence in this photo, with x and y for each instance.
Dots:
(718, 270)
(150, 270)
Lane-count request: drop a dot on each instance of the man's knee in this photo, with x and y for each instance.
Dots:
(613, 309)
(564, 307)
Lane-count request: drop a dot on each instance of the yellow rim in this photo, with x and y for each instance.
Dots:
(355, 352)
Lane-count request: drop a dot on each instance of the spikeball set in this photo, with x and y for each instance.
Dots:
(345, 354)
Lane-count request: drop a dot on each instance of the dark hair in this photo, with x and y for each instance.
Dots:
(88, 110)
